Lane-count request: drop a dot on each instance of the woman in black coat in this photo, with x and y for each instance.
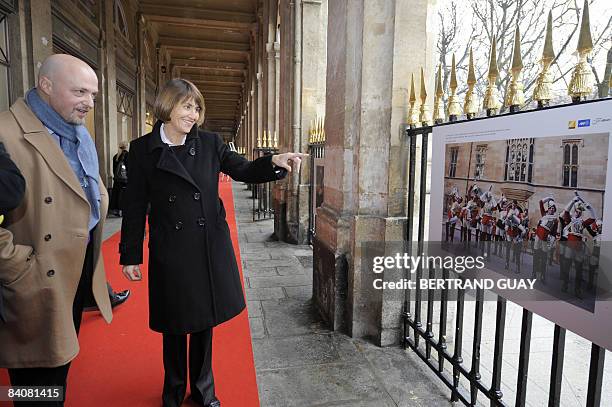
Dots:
(194, 283)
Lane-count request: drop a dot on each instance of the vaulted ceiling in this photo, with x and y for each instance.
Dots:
(209, 43)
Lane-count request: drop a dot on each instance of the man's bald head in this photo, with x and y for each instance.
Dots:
(68, 85)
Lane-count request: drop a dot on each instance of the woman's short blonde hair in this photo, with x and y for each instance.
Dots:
(176, 91)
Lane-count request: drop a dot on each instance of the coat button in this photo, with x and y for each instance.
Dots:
(47, 238)
(179, 225)
(50, 273)
(192, 151)
(196, 196)
(201, 221)
(48, 200)
(172, 198)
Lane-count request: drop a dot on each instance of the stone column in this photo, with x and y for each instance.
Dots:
(312, 62)
(141, 83)
(376, 45)
(106, 108)
(24, 24)
(271, 66)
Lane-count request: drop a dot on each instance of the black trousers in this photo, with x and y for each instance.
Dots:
(201, 380)
(56, 376)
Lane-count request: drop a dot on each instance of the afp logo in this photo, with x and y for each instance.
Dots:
(572, 124)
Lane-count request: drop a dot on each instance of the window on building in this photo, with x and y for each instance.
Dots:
(125, 114)
(120, 19)
(519, 160)
(480, 161)
(570, 164)
(5, 94)
(454, 153)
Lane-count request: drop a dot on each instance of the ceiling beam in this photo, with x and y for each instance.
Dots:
(206, 44)
(235, 80)
(197, 16)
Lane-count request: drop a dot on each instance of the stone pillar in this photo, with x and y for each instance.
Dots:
(106, 108)
(30, 42)
(376, 45)
(308, 61)
(141, 78)
(271, 66)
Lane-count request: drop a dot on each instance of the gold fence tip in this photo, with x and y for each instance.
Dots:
(470, 105)
(517, 59)
(542, 92)
(515, 96)
(471, 78)
(412, 112)
(438, 114)
(585, 41)
(490, 101)
(424, 112)
(580, 85)
(453, 107)
(548, 54)
(493, 70)
(453, 75)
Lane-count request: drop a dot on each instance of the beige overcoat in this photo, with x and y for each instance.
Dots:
(42, 249)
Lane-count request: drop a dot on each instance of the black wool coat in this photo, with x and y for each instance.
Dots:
(194, 281)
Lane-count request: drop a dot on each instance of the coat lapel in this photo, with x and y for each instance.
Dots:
(167, 160)
(35, 133)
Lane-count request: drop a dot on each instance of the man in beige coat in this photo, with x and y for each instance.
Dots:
(50, 259)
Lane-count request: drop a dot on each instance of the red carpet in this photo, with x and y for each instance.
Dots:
(121, 364)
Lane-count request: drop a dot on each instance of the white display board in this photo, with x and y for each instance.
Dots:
(558, 152)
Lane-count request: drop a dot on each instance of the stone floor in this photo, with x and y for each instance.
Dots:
(298, 361)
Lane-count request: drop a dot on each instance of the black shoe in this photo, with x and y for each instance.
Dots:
(119, 298)
(198, 400)
(115, 299)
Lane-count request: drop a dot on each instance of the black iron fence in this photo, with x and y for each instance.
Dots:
(317, 173)
(262, 193)
(463, 377)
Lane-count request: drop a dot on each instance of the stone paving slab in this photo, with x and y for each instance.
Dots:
(317, 385)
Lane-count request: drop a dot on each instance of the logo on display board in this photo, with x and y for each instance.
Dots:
(584, 123)
(571, 124)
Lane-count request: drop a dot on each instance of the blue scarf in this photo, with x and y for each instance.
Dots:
(78, 147)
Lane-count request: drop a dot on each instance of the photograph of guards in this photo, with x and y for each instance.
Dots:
(536, 204)
(194, 283)
(50, 259)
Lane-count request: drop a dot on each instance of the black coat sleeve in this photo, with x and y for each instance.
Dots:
(12, 183)
(134, 210)
(240, 169)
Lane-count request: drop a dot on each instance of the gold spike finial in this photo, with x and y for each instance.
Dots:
(413, 115)
(515, 96)
(549, 53)
(580, 86)
(310, 132)
(491, 101)
(275, 139)
(454, 110)
(424, 116)
(470, 105)
(543, 89)
(438, 114)
(258, 140)
(585, 42)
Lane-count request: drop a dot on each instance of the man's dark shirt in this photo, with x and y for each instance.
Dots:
(12, 183)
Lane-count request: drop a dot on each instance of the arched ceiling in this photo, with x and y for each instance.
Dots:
(209, 43)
